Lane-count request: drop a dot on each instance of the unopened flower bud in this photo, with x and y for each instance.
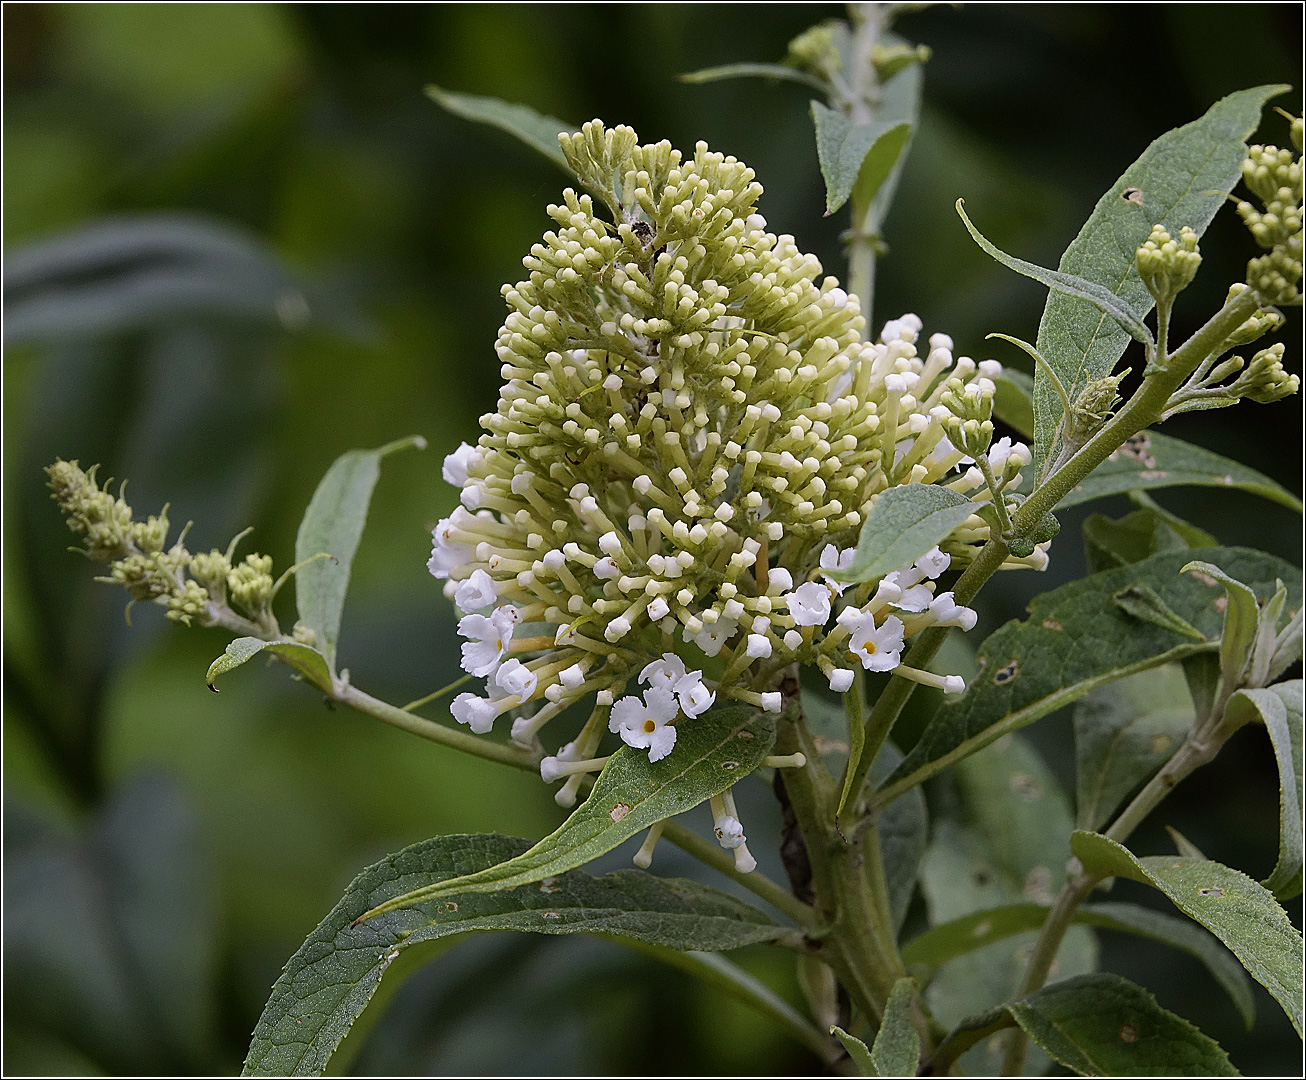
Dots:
(1167, 266)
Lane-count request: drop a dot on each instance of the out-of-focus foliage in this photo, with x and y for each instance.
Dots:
(240, 240)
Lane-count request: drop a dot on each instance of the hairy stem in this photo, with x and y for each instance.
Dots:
(863, 236)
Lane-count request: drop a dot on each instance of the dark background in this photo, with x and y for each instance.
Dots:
(334, 283)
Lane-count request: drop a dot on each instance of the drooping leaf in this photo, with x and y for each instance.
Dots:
(1236, 909)
(1241, 620)
(1124, 732)
(1149, 530)
(1279, 708)
(781, 72)
(329, 981)
(897, 1047)
(903, 524)
(1078, 638)
(1143, 602)
(333, 525)
(1180, 179)
(860, 155)
(856, 1050)
(939, 944)
(307, 661)
(1013, 401)
(715, 750)
(537, 131)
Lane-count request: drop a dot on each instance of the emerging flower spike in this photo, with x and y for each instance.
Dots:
(690, 433)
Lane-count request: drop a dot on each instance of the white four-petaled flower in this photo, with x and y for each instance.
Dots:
(693, 694)
(878, 648)
(477, 592)
(646, 723)
(477, 713)
(809, 604)
(516, 678)
(456, 464)
(489, 636)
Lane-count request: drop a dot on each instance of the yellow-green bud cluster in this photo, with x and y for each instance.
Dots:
(104, 519)
(817, 51)
(689, 420)
(250, 584)
(1265, 380)
(1167, 266)
(1265, 321)
(1274, 176)
(969, 425)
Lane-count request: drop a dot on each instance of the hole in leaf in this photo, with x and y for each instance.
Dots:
(1133, 195)
(1006, 674)
(1217, 893)
(729, 765)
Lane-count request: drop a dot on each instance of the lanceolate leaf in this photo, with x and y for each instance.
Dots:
(1181, 179)
(712, 752)
(904, 523)
(1241, 616)
(1279, 707)
(535, 130)
(333, 525)
(782, 72)
(848, 151)
(897, 1047)
(1013, 401)
(1124, 732)
(329, 981)
(307, 661)
(1241, 913)
(856, 1050)
(900, 102)
(940, 944)
(1100, 1025)
(1076, 639)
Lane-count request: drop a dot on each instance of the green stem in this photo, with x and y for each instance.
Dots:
(999, 507)
(863, 96)
(437, 694)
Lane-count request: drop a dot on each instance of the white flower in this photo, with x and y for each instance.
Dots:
(647, 723)
(571, 677)
(834, 560)
(477, 713)
(779, 580)
(729, 832)
(759, 646)
(664, 673)
(713, 635)
(516, 678)
(446, 555)
(841, 680)
(607, 569)
(933, 563)
(792, 639)
(771, 702)
(1003, 449)
(456, 464)
(809, 604)
(658, 609)
(489, 636)
(947, 612)
(917, 598)
(478, 591)
(694, 696)
(553, 768)
(954, 684)
(879, 649)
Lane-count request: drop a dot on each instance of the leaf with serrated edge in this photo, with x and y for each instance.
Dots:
(1239, 911)
(856, 1050)
(536, 130)
(897, 1047)
(329, 981)
(1077, 638)
(845, 150)
(1124, 732)
(1101, 1025)
(902, 525)
(307, 661)
(1183, 178)
(333, 525)
(1279, 708)
(713, 751)
(942, 943)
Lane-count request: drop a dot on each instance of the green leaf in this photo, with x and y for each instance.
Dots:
(940, 944)
(903, 524)
(782, 72)
(329, 981)
(1013, 401)
(1124, 732)
(900, 102)
(333, 524)
(1181, 179)
(1076, 639)
(1144, 602)
(537, 131)
(897, 1047)
(1237, 910)
(712, 752)
(854, 155)
(1148, 531)
(310, 663)
(1241, 620)
(1098, 1025)
(856, 1050)
(903, 829)
(1279, 708)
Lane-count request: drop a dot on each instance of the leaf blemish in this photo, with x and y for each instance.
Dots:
(1205, 579)
(619, 811)
(1221, 602)
(1128, 1033)
(1051, 624)
(549, 915)
(1161, 743)
(1214, 892)
(1025, 786)
(745, 734)
(548, 886)
(1133, 195)
(1006, 674)
(981, 928)
(729, 766)
(449, 905)
(1153, 474)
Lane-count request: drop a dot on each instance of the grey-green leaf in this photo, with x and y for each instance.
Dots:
(1236, 909)
(1181, 179)
(903, 829)
(903, 524)
(1279, 708)
(856, 1050)
(1124, 732)
(1076, 639)
(781, 72)
(333, 524)
(310, 663)
(1013, 401)
(942, 943)
(712, 752)
(1143, 602)
(536, 130)
(897, 1047)
(1149, 530)
(900, 102)
(329, 981)
(1241, 620)
(1080, 288)
(1100, 1025)
(860, 155)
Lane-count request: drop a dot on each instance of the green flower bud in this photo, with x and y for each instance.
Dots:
(152, 534)
(1263, 322)
(968, 401)
(891, 59)
(816, 50)
(1168, 266)
(1021, 547)
(1265, 380)
(305, 635)
(1275, 177)
(250, 583)
(972, 436)
(187, 602)
(1296, 132)
(105, 521)
(211, 571)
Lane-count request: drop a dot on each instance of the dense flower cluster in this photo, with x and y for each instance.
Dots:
(690, 434)
(1274, 176)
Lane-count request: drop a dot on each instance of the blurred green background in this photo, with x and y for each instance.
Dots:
(240, 241)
